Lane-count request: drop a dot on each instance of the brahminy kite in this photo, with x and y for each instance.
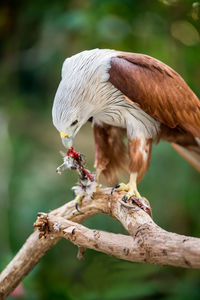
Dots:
(126, 94)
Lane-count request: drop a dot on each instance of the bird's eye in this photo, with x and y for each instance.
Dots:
(74, 123)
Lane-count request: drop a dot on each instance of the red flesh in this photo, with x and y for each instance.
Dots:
(141, 203)
(88, 174)
(76, 156)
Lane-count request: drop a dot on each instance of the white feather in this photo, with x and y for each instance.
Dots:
(85, 91)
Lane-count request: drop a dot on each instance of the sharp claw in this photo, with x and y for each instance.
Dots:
(114, 188)
(125, 198)
(77, 207)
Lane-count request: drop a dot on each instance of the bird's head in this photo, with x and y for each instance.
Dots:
(70, 121)
(74, 103)
(69, 113)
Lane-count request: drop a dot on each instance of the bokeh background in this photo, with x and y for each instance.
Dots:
(36, 36)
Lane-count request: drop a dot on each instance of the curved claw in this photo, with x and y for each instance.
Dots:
(125, 198)
(77, 207)
(114, 188)
(78, 200)
(132, 195)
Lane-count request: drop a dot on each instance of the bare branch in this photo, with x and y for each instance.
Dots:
(147, 241)
(34, 248)
(113, 244)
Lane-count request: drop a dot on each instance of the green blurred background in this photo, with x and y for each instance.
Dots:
(36, 37)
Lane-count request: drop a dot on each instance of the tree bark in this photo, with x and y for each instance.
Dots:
(146, 242)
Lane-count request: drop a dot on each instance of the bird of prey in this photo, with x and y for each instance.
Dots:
(126, 94)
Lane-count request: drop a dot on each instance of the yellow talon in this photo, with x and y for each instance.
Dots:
(130, 188)
(122, 187)
(78, 200)
(132, 192)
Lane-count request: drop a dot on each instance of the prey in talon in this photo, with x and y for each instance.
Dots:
(132, 196)
(86, 181)
(143, 203)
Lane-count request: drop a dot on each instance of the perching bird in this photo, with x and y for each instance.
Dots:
(127, 93)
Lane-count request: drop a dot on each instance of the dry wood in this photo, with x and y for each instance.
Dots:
(147, 242)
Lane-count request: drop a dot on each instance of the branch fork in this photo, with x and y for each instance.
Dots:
(145, 241)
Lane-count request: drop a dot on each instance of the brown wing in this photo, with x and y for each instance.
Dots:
(157, 89)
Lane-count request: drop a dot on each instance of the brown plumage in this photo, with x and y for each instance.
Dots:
(139, 163)
(158, 90)
(127, 93)
(161, 93)
(110, 151)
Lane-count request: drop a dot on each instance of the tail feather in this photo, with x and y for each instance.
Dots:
(189, 153)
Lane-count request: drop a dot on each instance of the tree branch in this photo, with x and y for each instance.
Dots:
(117, 245)
(147, 241)
(149, 247)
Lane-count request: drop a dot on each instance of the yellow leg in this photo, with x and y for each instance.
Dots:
(78, 200)
(130, 188)
(132, 185)
(98, 173)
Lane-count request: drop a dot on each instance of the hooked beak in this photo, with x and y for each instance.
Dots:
(67, 140)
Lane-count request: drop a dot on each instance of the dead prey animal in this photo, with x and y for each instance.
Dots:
(87, 184)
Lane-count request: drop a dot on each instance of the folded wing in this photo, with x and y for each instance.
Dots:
(157, 89)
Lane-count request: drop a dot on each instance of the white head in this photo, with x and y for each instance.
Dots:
(72, 106)
(76, 98)
(68, 113)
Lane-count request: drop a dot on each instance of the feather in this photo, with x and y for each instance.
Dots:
(110, 151)
(191, 154)
(139, 155)
(157, 89)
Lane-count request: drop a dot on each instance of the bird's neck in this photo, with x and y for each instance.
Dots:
(111, 110)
